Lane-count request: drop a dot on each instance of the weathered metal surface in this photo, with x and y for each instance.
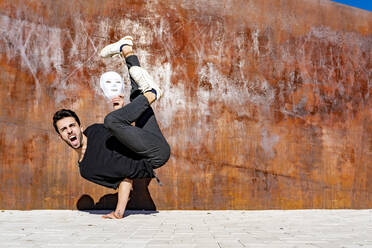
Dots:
(267, 104)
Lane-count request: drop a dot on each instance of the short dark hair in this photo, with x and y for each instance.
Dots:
(63, 113)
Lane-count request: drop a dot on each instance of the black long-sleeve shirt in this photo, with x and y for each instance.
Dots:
(107, 162)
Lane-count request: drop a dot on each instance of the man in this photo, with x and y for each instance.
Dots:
(129, 144)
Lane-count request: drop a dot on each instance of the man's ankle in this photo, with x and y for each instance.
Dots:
(150, 96)
(127, 51)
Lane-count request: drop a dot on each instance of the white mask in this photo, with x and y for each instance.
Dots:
(111, 84)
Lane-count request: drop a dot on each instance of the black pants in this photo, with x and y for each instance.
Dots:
(145, 138)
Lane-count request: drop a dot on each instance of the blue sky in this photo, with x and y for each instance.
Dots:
(361, 4)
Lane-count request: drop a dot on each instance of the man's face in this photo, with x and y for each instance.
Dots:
(70, 131)
(111, 84)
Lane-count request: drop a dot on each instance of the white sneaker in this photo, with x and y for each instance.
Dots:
(114, 48)
(144, 80)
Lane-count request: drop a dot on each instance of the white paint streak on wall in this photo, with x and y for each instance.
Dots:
(37, 45)
(255, 47)
(174, 97)
(268, 142)
(41, 51)
(257, 91)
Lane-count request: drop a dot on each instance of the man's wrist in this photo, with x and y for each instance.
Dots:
(118, 214)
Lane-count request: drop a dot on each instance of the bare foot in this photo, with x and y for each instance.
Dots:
(112, 215)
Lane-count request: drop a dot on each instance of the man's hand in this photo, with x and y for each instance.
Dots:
(118, 102)
(123, 197)
(112, 215)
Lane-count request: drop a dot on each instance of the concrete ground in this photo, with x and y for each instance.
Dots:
(205, 229)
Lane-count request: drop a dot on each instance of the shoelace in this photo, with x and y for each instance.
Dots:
(157, 179)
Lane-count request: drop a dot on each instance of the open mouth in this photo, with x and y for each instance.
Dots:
(74, 141)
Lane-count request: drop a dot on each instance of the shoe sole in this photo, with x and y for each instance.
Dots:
(106, 51)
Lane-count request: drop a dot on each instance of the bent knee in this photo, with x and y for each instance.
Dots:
(164, 156)
(109, 121)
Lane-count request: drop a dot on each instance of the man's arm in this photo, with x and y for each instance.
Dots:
(123, 196)
(127, 184)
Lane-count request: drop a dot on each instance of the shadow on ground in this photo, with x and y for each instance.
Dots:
(140, 199)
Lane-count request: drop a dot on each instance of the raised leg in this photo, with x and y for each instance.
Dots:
(147, 142)
(146, 138)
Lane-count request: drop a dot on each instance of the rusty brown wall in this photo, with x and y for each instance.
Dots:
(267, 104)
